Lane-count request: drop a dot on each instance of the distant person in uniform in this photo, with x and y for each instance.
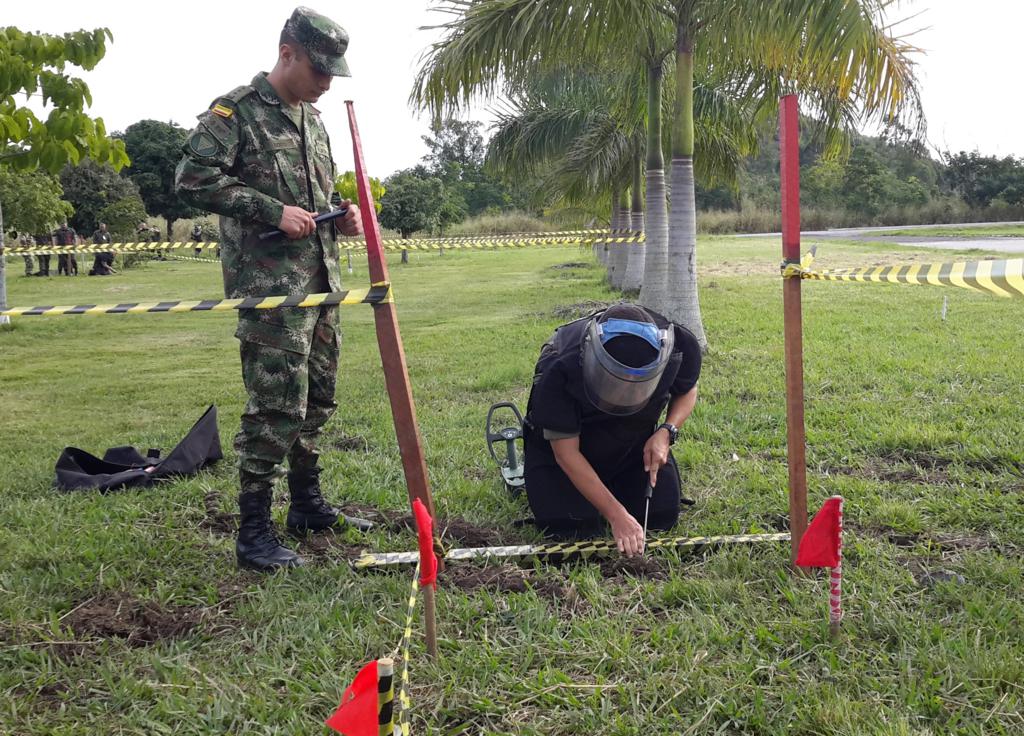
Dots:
(103, 263)
(260, 158)
(27, 241)
(67, 263)
(197, 237)
(44, 260)
(594, 437)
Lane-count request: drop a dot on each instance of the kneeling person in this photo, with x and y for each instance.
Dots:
(592, 435)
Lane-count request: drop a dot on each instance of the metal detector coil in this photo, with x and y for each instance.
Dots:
(511, 465)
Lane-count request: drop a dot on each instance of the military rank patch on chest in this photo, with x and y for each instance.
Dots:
(224, 112)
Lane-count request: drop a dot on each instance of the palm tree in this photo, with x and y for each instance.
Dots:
(840, 54)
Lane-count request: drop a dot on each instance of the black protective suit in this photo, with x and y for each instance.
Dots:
(613, 445)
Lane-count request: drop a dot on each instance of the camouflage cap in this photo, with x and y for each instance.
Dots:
(323, 39)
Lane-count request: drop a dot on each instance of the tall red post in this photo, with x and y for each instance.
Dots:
(789, 164)
(396, 372)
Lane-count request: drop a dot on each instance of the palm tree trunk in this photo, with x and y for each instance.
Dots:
(682, 304)
(656, 259)
(619, 255)
(634, 277)
(606, 249)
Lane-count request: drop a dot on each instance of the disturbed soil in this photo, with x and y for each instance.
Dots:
(217, 520)
(349, 443)
(137, 622)
(570, 265)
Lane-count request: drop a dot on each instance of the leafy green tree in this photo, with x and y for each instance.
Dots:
(90, 187)
(155, 149)
(346, 187)
(412, 202)
(36, 63)
(456, 157)
(123, 216)
(981, 179)
(32, 200)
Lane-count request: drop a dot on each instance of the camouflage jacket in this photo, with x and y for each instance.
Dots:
(249, 156)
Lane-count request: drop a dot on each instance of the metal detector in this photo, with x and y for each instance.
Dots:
(511, 465)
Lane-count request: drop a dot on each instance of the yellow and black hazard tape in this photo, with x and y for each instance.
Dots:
(561, 551)
(376, 294)
(403, 726)
(1004, 278)
(396, 244)
(193, 258)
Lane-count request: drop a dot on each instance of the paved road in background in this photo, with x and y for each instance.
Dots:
(878, 235)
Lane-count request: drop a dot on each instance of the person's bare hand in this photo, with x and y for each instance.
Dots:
(629, 535)
(296, 222)
(656, 454)
(352, 222)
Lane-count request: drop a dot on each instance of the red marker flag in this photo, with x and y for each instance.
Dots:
(822, 542)
(357, 714)
(425, 533)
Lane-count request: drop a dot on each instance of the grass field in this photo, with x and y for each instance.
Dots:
(124, 613)
(967, 231)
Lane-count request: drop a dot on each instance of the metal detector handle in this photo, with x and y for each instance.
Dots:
(508, 435)
(319, 220)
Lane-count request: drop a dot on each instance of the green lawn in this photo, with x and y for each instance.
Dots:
(125, 614)
(966, 231)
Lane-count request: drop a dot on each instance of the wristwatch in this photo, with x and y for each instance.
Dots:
(673, 431)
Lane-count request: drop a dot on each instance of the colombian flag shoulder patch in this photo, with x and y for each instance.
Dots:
(224, 112)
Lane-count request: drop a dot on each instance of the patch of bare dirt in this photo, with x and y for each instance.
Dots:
(929, 577)
(478, 473)
(349, 443)
(940, 543)
(507, 578)
(570, 265)
(327, 544)
(217, 520)
(453, 531)
(121, 615)
(651, 568)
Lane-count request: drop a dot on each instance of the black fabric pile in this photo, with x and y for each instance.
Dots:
(126, 467)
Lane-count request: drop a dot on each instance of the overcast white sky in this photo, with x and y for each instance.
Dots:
(169, 60)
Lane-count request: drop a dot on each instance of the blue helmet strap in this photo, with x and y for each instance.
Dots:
(618, 327)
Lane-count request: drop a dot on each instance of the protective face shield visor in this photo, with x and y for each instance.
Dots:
(620, 389)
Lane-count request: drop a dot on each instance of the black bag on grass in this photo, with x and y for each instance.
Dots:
(125, 467)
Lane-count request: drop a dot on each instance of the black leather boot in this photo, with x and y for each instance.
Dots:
(309, 510)
(258, 547)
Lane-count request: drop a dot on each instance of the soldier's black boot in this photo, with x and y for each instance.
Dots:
(258, 547)
(309, 510)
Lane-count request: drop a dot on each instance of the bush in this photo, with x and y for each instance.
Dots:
(500, 224)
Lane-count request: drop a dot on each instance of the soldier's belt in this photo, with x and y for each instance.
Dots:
(555, 552)
(376, 294)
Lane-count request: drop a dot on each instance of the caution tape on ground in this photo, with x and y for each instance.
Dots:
(376, 294)
(396, 244)
(402, 725)
(1003, 278)
(567, 550)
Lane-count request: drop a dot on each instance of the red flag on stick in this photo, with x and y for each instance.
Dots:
(822, 542)
(357, 714)
(425, 534)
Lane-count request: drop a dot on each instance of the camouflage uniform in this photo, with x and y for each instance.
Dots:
(249, 156)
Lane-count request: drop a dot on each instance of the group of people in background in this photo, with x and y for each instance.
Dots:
(67, 263)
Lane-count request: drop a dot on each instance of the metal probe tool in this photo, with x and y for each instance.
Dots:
(319, 219)
(648, 492)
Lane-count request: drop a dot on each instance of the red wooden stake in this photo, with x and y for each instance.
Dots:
(396, 373)
(789, 163)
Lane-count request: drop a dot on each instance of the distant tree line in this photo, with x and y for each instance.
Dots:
(888, 178)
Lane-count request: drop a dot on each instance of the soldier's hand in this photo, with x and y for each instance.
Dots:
(296, 222)
(656, 454)
(352, 222)
(629, 535)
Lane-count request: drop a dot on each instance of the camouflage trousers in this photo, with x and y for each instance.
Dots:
(290, 382)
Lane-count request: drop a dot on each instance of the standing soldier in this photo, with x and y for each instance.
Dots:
(44, 260)
(27, 241)
(260, 158)
(66, 262)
